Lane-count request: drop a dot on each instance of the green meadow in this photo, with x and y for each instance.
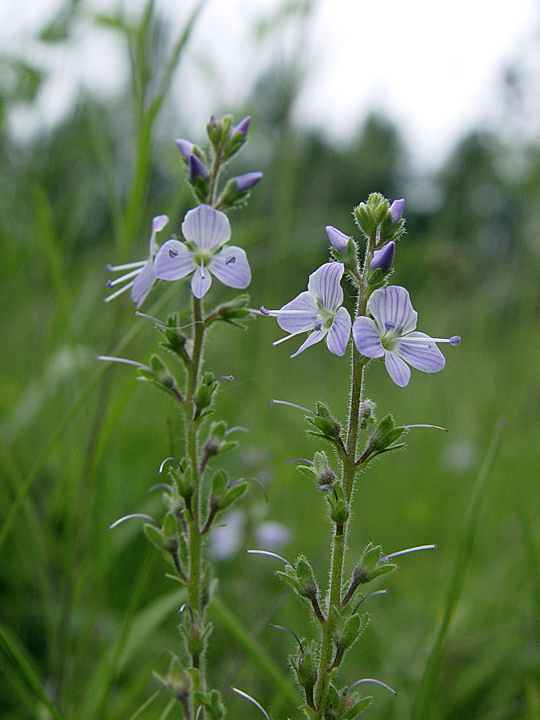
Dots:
(87, 614)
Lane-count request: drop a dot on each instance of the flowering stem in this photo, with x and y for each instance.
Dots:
(339, 540)
(194, 586)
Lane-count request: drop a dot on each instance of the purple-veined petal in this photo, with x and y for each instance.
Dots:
(325, 285)
(206, 227)
(339, 333)
(367, 338)
(314, 337)
(201, 281)
(421, 351)
(173, 261)
(231, 267)
(298, 315)
(143, 283)
(397, 368)
(158, 223)
(391, 307)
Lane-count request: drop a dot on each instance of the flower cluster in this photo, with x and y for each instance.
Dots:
(387, 330)
(206, 229)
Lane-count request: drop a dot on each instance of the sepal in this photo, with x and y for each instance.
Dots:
(383, 439)
(325, 424)
(371, 565)
(212, 703)
(232, 312)
(304, 663)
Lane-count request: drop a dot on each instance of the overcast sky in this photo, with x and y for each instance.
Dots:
(434, 67)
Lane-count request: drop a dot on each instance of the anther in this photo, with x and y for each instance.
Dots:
(173, 253)
(230, 260)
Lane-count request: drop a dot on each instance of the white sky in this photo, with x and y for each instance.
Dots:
(435, 67)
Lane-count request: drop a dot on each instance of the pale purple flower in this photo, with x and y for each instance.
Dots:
(338, 240)
(204, 253)
(247, 181)
(140, 276)
(396, 210)
(384, 257)
(318, 311)
(390, 334)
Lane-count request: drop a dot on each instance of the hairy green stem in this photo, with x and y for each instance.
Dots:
(339, 540)
(194, 586)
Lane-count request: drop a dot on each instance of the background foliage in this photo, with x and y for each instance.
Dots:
(87, 614)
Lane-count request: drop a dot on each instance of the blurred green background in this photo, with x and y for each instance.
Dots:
(86, 613)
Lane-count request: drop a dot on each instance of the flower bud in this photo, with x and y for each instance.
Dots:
(185, 147)
(196, 168)
(241, 128)
(243, 183)
(338, 240)
(396, 210)
(383, 258)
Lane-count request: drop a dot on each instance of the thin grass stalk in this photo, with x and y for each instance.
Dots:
(428, 688)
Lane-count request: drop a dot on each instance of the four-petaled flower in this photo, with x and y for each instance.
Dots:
(141, 274)
(390, 334)
(318, 311)
(206, 232)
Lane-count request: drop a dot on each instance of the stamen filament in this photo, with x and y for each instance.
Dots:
(125, 361)
(370, 680)
(122, 278)
(134, 515)
(290, 404)
(126, 266)
(118, 292)
(408, 550)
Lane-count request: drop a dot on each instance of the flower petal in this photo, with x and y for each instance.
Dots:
(173, 261)
(392, 309)
(298, 315)
(325, 285)
(397, 368)
(339, 333)
(158, 223)
(143, 283)
(201, 281)
(231, 267)
(367, 338)
(421, 351)
(206, 227)
(314, 337)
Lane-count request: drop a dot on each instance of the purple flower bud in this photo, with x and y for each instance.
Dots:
(396, 210)
(383, 258)
(196, 168)
(247, 181)
(338, 240)
(241, 128)
(185, 147)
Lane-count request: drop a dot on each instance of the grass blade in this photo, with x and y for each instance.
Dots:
(18, 659)
(428, 687)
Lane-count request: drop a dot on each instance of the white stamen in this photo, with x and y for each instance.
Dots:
(408, 550)
(124, 361)
(118, 292)
(122, 278)
(126, 266)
